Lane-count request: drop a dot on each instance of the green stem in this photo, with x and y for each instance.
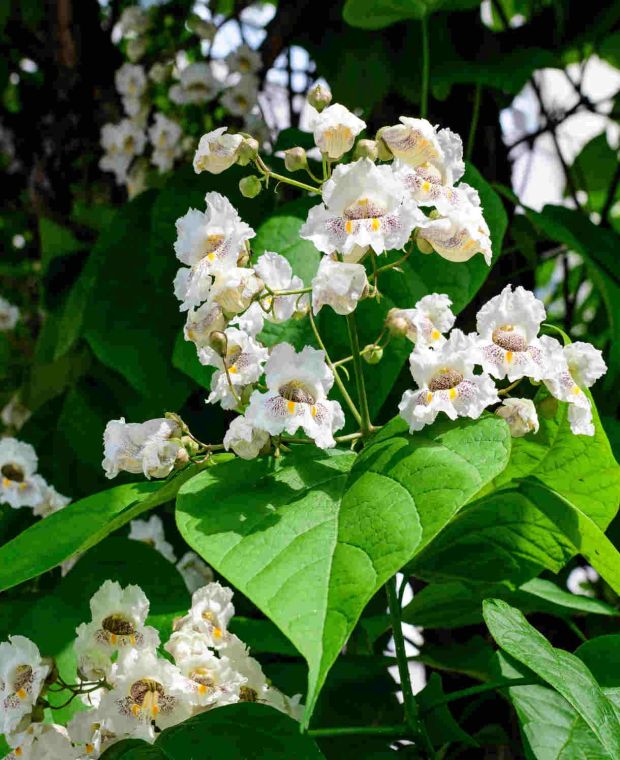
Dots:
(474, 122)
(337, 378)
(365, 423)
(262, 167)
(425, 69)
(505, 391)
(276, 293)
(394, 264)
(474, 690)
(410, 705)
(360, 731)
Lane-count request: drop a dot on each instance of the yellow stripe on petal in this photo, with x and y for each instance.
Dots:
(291, 407)
(348, 227)
(509, 357)
(375, 224)
(453, 394)
(435, 335)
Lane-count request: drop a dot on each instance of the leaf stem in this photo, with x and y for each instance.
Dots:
(365, 422)
(474, 690)
(262, 167)
(337, 378)
(425, 68)
(474, 122)
(505, 391)
(360, 731)
(412, 715)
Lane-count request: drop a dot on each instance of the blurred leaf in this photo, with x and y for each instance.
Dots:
(601, 657)
(56, 241)
(310, 536)
(593, 171)
(438, 721)
(561, 670)
(377, 14)
(81, 525)
(185, 359)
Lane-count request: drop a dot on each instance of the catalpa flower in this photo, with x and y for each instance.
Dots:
(335, 130)
(151, 532)
(202, 322)
(90, 735)
(205, 241)
(121, 143)
(19, 484)
(242, 97)
(165, 136)
(149, 695)
(217, 151)
(208, 616)
(130, 83)
(196, 85)
(244, 439)
(195, 572)
(149, 447)
(297, 384)
(9, 315)
(277, 274)
(15, 414)
(244, 60)
(117, 625)
(426, 323)
(520, 414)
(508, 327)
(22, 677)
(234, 288)
(51, 500)
(363, 205)
(213, 681)
(41, 741)
(572, 368)
(244, 359)
(446, 383)
(338, 285)
(459, 235)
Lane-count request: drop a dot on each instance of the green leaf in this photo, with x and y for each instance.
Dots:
(561, 670)
(185, 359)
(438, 720)
(601, 657)
(56, 241)
(580, 529)
(315, 535)
(81, 525)
(244, 731)
(377, 14)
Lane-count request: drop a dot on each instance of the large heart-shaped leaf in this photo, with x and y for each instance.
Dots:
(310, 538)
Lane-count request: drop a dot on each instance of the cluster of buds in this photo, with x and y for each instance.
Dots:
(128, 688)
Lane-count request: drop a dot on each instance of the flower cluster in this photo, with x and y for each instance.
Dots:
(157, 98)
(20, 483)
(506, 345)
(130, 690)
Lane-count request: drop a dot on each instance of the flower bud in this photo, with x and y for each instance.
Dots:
(319, 97)
(182, 458)
(372, 354)
(520, 414)
(248, 150)
(295, 159)
(366, 149)
(423, 245)
(250, 187)
(396, 323)
(384, 153)
(219, 342)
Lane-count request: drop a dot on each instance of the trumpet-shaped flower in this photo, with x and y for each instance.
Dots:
(244, 60)
(338, 285)
(242, 97)
(202, 322)
(244, 439)
(149, 447)
(195, 572)
(41, 741)
(165, 136)
(51, 500)
(459, 235)
(217, 151)
(426, 323)
(151, 532)
(446, 383)
(196, 85)
(335, 130)
(363, 206)
(297, 384)
(520, 414)
(22, 676)
(121, 143)
(277, 274)
(19, 484)
(213, 680)
(208, 616)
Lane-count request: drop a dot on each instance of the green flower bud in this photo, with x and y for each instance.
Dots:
(295, 159)
(218, 342)
(247, 151)
(372, 354)
(250, 186)
(366, 149)
(319, 97)
(423, 245)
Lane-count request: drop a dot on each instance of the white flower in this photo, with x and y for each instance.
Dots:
(19, 485)
(570, 369)
(234, 288)
(117, 625)
(196, 85)
(213, 679)
(242, 97)
(338, 285)
(89, 735)
(363, 205)
(51, 500)
(425, 324)
(205, 241)
(335, 130)
(201, 322)
(15, 414)
(277, 274)
(185, 643)
(148, 693)
(417, 143)
(217, 151)
(446, 383)
(460, 235)
(251, 321)
(151, 532)
(580, 581)
(244, 360)
(41, 741)
(149, 447)
(9, 315)
(520, 414)
(195, 572)
(244, 60)
(508, 327)
(22, 676)
(134, 20)
(208, 616)
(121, 143)
(130, 80)
(165, 136)
(297, 396)
(244, 439)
